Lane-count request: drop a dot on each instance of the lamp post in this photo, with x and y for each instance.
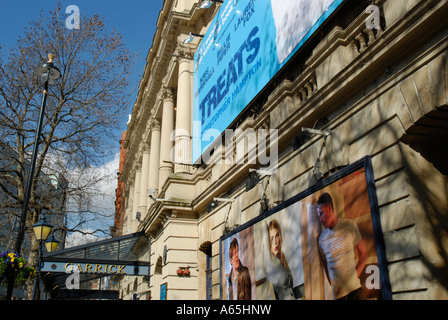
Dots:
(49, 73)
(42, 230)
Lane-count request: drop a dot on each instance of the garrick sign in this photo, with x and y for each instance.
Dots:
(126, 268)
(96, 268)
(112, 256)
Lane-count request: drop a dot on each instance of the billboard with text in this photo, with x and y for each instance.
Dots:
(247, 43)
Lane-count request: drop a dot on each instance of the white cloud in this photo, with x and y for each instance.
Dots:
(96, 203)
(106, 187)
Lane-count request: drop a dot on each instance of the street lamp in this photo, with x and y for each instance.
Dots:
(42, 229)
(51, 244)
(49, 74)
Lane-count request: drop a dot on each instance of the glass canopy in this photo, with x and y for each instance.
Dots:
(113, 258)
(116, 249)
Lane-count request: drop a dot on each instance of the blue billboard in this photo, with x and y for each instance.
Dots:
(247, 43)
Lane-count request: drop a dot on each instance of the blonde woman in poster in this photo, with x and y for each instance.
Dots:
(277, 269)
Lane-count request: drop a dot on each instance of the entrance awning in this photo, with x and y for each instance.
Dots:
(111, 257)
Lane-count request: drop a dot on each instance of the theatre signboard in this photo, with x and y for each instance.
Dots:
(247, 44)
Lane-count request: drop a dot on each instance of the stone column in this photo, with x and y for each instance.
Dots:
(183, 113)
(135, 203)
(129, 207)
(166, 141)
(154, 156)
(142, 199)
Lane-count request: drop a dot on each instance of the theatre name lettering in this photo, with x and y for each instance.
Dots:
(95, 268)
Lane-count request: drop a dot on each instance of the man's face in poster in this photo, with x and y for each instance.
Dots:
(326, 215)
(235, 258)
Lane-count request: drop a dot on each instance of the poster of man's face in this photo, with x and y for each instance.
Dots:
(320, 247)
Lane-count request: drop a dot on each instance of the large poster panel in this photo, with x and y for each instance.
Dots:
(324, 244)
(247, 43)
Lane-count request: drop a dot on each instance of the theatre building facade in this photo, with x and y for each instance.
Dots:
(272, 142)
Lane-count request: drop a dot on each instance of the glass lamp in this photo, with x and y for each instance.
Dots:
(42, 229)
(51, 244)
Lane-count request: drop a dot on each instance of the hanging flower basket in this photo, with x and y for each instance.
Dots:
(11, 264)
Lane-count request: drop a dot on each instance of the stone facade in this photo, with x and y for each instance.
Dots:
(382, 93)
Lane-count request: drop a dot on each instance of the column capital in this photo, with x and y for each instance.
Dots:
(145, 148)
(184, 52)
(154, 124)
(166, 93)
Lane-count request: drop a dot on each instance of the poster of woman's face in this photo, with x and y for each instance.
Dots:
(320, 247)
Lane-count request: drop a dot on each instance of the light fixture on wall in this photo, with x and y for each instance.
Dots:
(191, 37)
(324, 133)
(317, 169)
(264, 172)
(224, 199)
(300, 140)
(152, 193)
(255, 176)
(253, 180)
(138, 216)
(208, 3)
(212, 205)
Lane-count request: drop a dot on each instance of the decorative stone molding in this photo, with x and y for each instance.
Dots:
(166, 94)
(154, 124)
(183, 51)
(145, 148)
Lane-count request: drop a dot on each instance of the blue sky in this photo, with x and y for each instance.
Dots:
(135, 19)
